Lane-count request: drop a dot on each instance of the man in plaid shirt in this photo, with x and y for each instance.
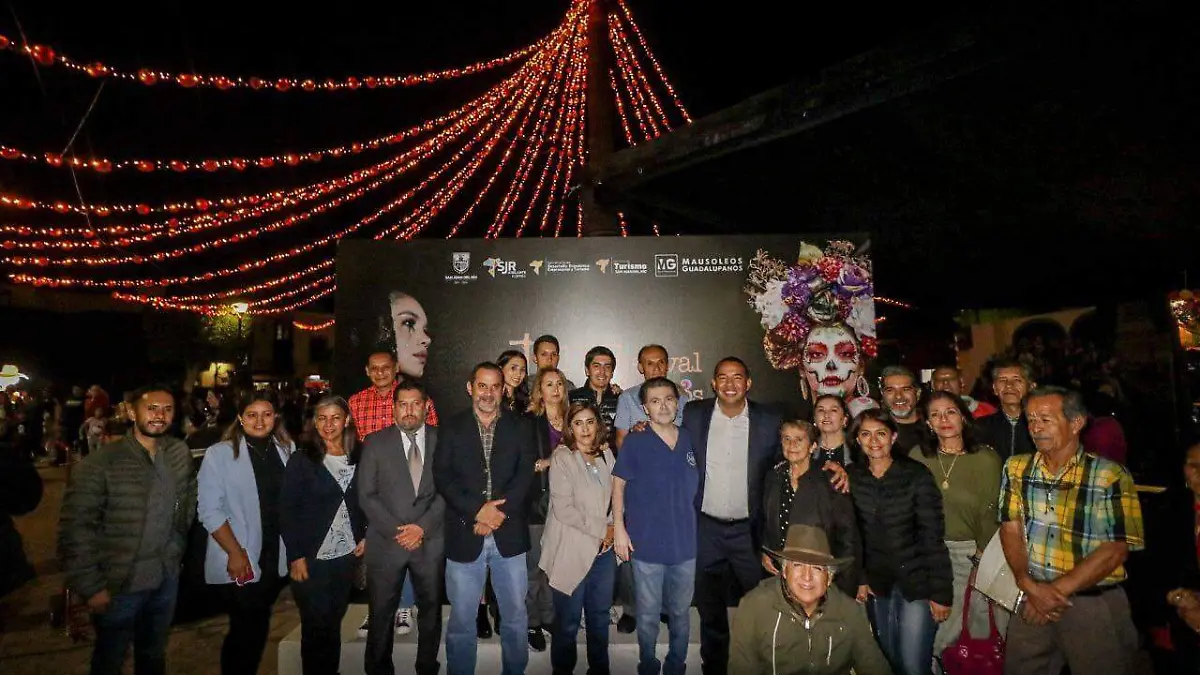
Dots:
(1069, 520)
(371, 408)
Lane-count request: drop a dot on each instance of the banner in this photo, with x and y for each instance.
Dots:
(445, 305)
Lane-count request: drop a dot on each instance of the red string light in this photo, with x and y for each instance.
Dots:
(314, 327)
(633, 89)
(612, 83)
(47, 56)
(624, 225)
(658, 69)
(621, 44)
(289, 159)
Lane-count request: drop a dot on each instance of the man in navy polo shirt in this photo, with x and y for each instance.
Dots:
(655, 482)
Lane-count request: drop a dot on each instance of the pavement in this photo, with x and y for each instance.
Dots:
(30, 646)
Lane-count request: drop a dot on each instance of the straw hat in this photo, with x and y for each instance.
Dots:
(808, 545)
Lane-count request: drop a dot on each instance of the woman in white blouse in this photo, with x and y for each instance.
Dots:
(323, 530)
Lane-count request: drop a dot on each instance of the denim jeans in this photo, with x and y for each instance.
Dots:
(464, 587)
(663, 588)
(905, 631)
(593, 598)
(408, 599)
(142, 618)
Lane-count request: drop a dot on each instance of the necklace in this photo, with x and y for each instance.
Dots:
(946, 473)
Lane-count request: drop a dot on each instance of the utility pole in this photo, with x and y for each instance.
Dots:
(597, 221)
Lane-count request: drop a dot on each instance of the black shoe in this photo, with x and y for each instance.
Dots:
(537, 640)
(626, 624)
(483, 629)
(663, 619)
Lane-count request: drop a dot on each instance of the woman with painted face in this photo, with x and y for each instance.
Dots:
(831, 416)
(240, 482)
(969, 477)
(907, 583)
(324, 531)
(577, 555)
(797, 492)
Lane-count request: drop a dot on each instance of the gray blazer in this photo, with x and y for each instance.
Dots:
(386, 494)
(578, 519)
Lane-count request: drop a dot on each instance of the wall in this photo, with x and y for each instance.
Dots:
(990, 338)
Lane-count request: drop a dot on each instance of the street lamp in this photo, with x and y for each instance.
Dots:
(240, 309)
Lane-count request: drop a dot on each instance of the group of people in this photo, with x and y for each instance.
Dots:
(845, 541)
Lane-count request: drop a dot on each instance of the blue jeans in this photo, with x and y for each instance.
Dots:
(464, 587)
(142, 618)
(663, 588)
(593, 596)
(905, 631)
(408, 599)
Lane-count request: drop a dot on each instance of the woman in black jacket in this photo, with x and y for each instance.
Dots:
(323, 531)
(797, 493)
(908, 581)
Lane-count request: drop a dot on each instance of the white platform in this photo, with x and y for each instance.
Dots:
(622, 649)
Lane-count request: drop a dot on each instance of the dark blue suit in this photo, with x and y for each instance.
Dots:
(724, 547)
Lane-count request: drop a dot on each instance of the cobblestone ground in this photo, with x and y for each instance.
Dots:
(29, 646)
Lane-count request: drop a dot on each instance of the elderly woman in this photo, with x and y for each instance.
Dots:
(577, 550)
(240, 482)
(796, 492)
(323, 530)
(798, 622)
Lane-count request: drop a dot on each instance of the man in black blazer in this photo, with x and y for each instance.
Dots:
(484, 469)
(405, 517)
(736, 442)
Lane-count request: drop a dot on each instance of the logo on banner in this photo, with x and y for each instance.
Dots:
(622, 266)
(536, 266)
(666, 265)
(460, 264)
(566, 267)
(715, 264)
(505, 268)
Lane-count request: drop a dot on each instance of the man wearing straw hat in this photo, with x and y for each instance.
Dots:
(799, 621)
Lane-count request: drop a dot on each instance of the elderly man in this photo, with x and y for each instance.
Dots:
(1007, 431)
(799, 621)
(1069, 520)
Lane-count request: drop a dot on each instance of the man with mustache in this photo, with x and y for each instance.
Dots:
(1007, 431)
(1069, 520)
(124, 523)
(900, 396)
(483, 469)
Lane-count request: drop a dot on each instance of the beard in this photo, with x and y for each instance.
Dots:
(149, 432)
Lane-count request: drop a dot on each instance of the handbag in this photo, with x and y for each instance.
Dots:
(994, 578)
(968, 655)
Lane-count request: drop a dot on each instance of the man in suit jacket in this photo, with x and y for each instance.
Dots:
(736, 442)
(405, 517)
(484, 469)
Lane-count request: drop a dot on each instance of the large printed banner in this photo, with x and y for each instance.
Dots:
(799, 311)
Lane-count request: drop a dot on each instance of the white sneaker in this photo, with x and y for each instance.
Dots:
(614, 613)
(404, 622)
(362, 630)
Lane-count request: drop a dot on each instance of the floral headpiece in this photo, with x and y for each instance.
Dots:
(827, 287)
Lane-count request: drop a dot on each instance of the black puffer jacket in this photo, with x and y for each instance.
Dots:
(20, 492)
(901, 524)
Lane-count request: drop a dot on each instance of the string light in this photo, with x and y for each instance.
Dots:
(410, 159)
(612, 83)
(47, 56)
(621, 44)
(894, 303)
(313, 327)
(289, 159)
(658, 69)
(540, 113)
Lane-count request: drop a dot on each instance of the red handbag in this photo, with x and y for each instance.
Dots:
(969, 656)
